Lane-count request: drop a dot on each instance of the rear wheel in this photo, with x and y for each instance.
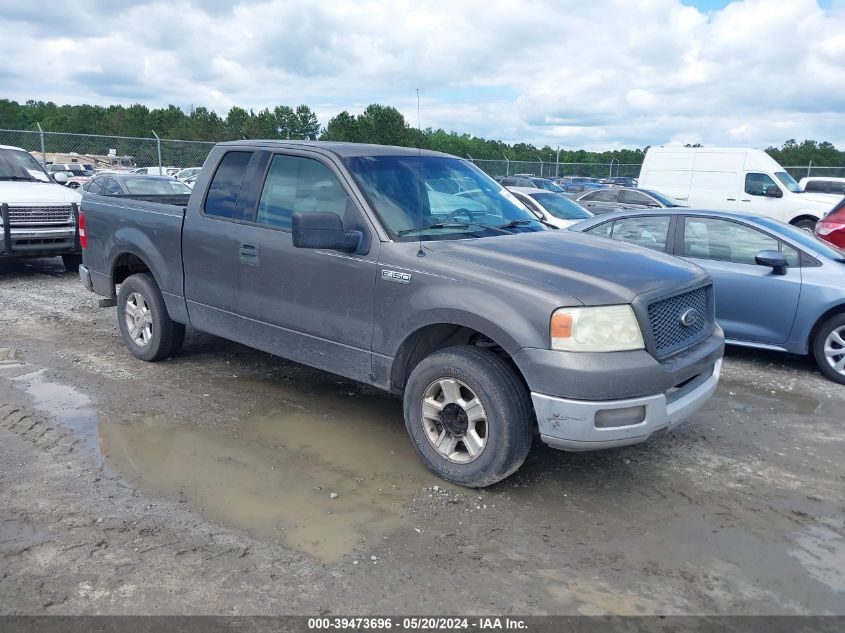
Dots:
(805, 224)
(72, 262)
(469, 416)
(829, 348)
(146, 327)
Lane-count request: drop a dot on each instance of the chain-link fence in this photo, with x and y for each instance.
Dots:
(544, 169)
(103, 152)
(129, 152)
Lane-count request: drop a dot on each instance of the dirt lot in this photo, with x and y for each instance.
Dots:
(227, 481)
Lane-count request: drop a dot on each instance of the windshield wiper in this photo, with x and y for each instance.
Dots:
(513, 224)
(437, 225)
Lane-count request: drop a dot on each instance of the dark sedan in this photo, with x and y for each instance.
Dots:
(135, 184)
(613, 198)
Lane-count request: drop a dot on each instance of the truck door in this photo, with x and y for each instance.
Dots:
(211, 247)
(755, 196)
(311, 306)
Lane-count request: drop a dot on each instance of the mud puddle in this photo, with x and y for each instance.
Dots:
(325, 468)
(69, 407)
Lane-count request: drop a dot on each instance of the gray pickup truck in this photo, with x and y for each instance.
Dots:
(415, 272)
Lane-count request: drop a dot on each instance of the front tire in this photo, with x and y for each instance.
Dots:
(829, 348)
(469, 416)
(143, 320)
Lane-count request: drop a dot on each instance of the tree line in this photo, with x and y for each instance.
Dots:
(377, 124)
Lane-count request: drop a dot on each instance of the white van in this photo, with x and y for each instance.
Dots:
(732, 179)
(37, 215)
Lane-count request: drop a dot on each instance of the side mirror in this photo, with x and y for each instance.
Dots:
(774, 259)
(773, 191)
(60, 177)
(324, 231)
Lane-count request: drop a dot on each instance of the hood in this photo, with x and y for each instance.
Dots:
(822, 199)
(27, 193)
(593, 270)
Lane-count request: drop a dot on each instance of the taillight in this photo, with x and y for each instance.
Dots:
(83, 236)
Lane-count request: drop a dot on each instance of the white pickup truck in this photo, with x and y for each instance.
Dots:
(38, 216)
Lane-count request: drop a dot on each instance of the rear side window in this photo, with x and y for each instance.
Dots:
(222, 198)
(650, 232)
(298, 184)
(95, 186)
(112, 187)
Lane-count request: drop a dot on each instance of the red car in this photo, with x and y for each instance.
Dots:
(831, 228)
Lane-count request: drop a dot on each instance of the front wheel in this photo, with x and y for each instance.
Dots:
(143, 321)
(829, 348)
(469, 416)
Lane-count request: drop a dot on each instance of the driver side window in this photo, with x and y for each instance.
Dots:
(756, 184)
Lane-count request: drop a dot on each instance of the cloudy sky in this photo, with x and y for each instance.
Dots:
(598, 74)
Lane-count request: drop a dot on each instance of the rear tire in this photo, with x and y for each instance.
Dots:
(143, 321)
(72, 262)
(469, 416)
(806, 224)
(829, 348)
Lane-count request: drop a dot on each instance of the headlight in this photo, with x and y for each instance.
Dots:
(599, 329)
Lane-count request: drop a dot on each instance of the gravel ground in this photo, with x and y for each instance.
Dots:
(227, 481)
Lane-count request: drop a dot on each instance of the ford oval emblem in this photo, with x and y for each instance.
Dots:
(690, 317)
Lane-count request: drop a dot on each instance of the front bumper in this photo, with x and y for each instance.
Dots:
(574, 425)
(38, 240)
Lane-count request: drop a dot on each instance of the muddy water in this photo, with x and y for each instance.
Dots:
(324, 474)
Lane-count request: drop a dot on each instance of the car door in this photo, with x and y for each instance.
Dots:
(312, 306)
(600, 200)
(752, 303)
(753, 197)
(211, 253)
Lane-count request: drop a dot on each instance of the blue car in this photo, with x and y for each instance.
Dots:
(777, 287)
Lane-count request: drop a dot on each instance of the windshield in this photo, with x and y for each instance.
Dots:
(434, 197)
(666, 202)
(788, 181)
(805, 238)
(155, 186)
(16, 164)
(561, 207)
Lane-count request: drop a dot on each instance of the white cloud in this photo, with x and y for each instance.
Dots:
(603, 74)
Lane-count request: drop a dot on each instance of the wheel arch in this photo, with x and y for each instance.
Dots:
(831, 312)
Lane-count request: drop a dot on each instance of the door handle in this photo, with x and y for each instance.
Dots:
(248, 254)
(731, 199)
(746, 200)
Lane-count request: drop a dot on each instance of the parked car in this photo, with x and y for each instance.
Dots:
(156, 171)
(777, 287)
(187, 173)
(621, 181)
(486, 322)
(552, 208)
(831, 228)
(823, 184)
(529, 181)
(578, 184)
(37, 214)
(730, 179)
(71, 179)
(612, 198)
(137, 184)
(77, 169)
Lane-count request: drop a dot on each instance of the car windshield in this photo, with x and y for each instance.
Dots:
(436, 197)
(788, 181)
(16, 164)
(561, 207)
(805, 238)
(665, 201)
(155, 186)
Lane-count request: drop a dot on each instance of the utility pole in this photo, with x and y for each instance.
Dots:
(44, 154)
(158, 145)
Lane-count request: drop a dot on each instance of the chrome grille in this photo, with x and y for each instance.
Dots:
(670, 334)
(40, 215)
